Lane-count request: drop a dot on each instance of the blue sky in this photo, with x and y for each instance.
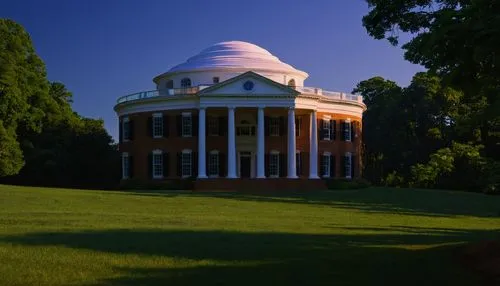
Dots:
(103, 49)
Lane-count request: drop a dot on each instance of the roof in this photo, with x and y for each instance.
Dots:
(235, 55)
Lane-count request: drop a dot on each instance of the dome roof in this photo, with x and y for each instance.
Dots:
(237, 55)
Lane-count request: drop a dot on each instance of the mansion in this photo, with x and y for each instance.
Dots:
(236, 111)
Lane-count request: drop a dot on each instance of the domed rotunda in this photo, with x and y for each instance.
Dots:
(234, 113)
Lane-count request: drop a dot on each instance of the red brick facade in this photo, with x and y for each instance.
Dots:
(142, 143)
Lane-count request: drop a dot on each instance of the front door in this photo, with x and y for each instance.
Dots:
(245, 163)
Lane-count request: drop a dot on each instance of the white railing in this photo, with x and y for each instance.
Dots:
(329, 94)
(162, 92)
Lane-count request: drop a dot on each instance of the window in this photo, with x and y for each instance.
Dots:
(126, 129)
(326, 129)
(187, 125)
(157, 164)
(274, 164)
(186, 163)
(215, 79)
(157, 125)
(347, 130)
(291, 83)
(298, 163)
(185, 82)
(213, 126)
(213, 164)
(298, 126)
(347, 165)
(325, 165)
(125, 166)
(274, 126)
(170, 84)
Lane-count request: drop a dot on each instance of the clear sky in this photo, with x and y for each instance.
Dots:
(103, 49)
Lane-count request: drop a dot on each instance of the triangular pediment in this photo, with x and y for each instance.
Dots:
(248, 84)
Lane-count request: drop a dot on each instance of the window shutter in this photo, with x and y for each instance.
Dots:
(120, 131)
(131, 129)
(321, 132)
(305, 160)
(342, 130)
(195, 123)
(130, 166)
(166, 165)
(343, 166)
(207, 161)
(333, 129)
(321, 165)
(353, 130)
(150, 165)
(353, 164)
(299, 163)
(194, 164)
(332, 166)
(222, 165)
(150, 126)
(179, 164)
(166, 126)
(283, 129)
(178, 122)
(222, 126)
(266, 125)
(266, 165)
(283, 165)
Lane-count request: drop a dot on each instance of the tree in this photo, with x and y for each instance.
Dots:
(459, 40)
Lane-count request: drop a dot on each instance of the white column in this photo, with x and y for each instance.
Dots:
(202, 173)
(313, 147)
(292, 168)
(231, 145)
(260, 143)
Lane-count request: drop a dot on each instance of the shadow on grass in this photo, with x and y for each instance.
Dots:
(431, 203)
(235, 258)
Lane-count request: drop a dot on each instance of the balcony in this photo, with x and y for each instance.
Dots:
(329, 94)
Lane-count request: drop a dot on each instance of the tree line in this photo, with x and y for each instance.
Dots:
(443, 130)
(42, 140)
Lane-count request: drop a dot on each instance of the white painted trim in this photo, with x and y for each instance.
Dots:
(124, 155)
(190, 152)
(157, 152)
(274, 152)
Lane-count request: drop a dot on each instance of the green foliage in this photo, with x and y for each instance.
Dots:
(456, 101)
(11, 157)
(37, 123)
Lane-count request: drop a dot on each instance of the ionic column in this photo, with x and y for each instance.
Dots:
(292, 168)
(260, 143)
(202, 173)
(313, 147)
(231, 145)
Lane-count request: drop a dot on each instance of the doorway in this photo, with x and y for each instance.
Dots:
(245, 164)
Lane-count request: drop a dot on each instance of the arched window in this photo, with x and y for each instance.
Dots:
(291, 83)
(170, 84)
(186, 82)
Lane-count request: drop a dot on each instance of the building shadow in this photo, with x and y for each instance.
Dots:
(277, 258)
(431, 203)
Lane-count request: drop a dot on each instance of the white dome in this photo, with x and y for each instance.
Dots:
(235, 55)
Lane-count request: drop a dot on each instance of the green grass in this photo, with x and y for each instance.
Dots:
(373, 236)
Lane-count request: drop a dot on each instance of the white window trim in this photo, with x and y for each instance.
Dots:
(125, 120)
(157, 115)
(187, 151)
(277, 119)
(329, 165)
(348, 174)
(348, 121)
(214, 152)
(157, 152)
(277, 153)
(125, 156)
(187, 114)
(327, 120)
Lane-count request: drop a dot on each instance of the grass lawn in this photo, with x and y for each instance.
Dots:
(375, 236)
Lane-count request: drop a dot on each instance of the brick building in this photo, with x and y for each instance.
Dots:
(236, 111)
